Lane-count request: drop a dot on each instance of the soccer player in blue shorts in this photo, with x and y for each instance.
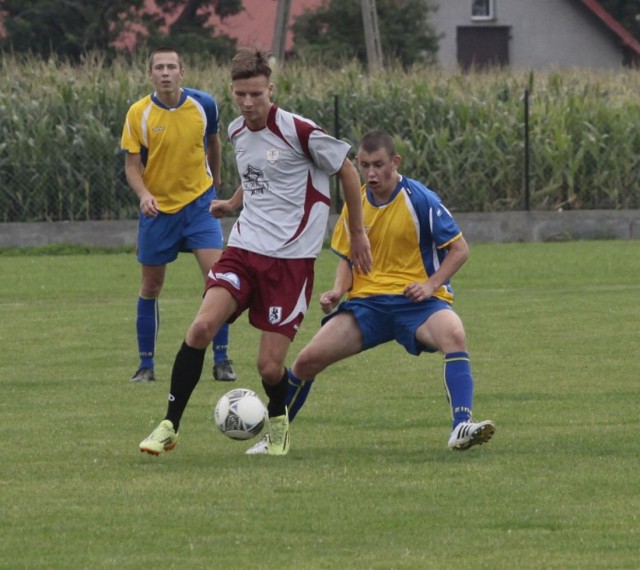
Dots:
(416, 247)
(173, 162)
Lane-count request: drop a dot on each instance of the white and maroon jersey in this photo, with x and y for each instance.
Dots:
(285, 170)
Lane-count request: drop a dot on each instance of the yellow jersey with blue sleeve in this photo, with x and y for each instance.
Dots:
(172, 142)
(408, 235)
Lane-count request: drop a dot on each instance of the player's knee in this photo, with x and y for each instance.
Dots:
(271, 372)
(150, 290)
(200, 334)
(307, 365)
(457, 340)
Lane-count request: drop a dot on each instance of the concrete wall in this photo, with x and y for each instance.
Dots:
(544, 33)
(499, 227)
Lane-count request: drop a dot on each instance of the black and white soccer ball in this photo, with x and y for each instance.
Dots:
(240, 414)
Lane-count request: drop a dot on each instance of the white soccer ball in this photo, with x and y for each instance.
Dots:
(240, 414)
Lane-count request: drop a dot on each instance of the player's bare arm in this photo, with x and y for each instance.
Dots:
(360, 249)
(214, 158)
(457, 254)
(343, 281)
(133, 170)
(221, 208)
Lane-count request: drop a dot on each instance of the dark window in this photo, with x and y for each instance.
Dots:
(483, 46)
(482, 10)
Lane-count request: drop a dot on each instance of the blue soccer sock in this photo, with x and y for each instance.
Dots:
(297, 392)
(458, 383)
(220, 344)
(147, 325)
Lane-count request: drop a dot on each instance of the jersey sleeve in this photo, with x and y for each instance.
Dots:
(327, 152)
(130, 141)
(444, 228)
(340, 243)
(213, 116)
(436, 222)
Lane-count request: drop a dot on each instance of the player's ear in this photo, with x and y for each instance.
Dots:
(397, 159)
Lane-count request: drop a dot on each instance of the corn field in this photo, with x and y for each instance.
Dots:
(461, 134)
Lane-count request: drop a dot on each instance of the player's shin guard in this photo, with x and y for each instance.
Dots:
(147, 325)
(185, 375)
(277, 395)
(297, 392)
(458, 383)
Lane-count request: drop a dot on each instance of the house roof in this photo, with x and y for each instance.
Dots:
(627, 39)
(256, 23)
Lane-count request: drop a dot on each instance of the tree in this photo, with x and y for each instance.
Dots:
(334, 32)
(71, 28)
(190, 31)
(68, 28)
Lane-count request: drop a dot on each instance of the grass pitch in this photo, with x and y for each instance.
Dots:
(369, 481)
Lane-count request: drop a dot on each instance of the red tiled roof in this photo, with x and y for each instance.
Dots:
(616, 27)
(254, 26)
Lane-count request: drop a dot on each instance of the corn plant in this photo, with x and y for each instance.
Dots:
(461, 134)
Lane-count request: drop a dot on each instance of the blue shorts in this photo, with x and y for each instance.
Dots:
(160, 239)
(382, 318)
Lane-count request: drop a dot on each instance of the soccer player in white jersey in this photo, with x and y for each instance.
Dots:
(285, 163)
(406, 296)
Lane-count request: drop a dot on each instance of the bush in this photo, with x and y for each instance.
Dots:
(462, 134)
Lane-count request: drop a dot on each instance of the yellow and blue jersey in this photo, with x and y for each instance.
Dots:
(408, 235)
(173, 143)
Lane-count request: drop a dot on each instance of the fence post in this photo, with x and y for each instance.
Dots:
(526, 151)
(336, 132)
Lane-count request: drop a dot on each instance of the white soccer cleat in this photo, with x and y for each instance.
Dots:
(260, 448)
(468, 434)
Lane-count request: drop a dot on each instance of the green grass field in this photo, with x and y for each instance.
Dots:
(369, 481)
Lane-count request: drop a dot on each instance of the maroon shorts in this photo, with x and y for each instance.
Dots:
(275, 291)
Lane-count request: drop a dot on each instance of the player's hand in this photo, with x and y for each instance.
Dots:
(148, 206)
(220, 208)
(329, 301)
(361, 259)
(418, 291)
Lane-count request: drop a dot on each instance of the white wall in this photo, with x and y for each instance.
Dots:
(544, 33)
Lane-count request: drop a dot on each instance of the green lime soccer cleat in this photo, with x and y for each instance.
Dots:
(163, 438)
(278, 442)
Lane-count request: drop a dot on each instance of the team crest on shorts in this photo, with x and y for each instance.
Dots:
(273, 154)
(275, 315)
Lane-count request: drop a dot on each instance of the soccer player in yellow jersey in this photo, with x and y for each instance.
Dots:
(416, 247)
(173, 162)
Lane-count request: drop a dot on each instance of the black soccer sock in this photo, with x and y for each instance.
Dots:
(187, 368)
(277, 395)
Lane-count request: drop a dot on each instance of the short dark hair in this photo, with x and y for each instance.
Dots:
(376, 139)
(250, 62)
(164, 49)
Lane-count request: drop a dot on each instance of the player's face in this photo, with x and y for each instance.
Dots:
(379, 170)
(253, 98)
(166, 73)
